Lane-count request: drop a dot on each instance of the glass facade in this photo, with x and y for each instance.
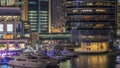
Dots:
(92, 23)
(9, 19)
(57, 23)
(44, 23)
(11, 27)
(33, 14)
(118, 18)
(38, 15)
(43, 16)
(33, 20)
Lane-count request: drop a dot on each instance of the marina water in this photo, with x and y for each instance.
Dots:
(87, 61)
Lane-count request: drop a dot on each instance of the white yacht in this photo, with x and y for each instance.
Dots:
(58, 57)
(27, 61)
(45, 59)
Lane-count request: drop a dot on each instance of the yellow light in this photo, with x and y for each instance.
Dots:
(8, 36)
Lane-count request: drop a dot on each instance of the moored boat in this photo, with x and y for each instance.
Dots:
(27, 61)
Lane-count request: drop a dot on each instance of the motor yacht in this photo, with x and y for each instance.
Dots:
(45, 59)
(27, 61)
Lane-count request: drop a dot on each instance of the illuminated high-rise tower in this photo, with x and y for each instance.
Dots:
(38, 15)
(118, 17)
(92, 23)
(11, 27)
(57, 24)
(35, 15)
(23, 4)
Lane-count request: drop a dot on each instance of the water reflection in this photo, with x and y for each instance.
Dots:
(5, 66)
(90, 61)
(66, 64)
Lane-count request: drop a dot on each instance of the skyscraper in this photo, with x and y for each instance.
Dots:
(44, 12)
(92, 23)
(118, 17)
(23, 4)
(57, 24)
(38, 15)
(33, 14)
(11, 26)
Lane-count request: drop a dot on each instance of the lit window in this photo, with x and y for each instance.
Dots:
(100, 10)
(75, 11)
(89, 4)
(9, 27)
(1, 28)
(8, 36)
(86, 10)
(99, 3)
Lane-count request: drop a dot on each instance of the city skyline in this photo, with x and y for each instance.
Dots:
(44, 33)
(56, 21)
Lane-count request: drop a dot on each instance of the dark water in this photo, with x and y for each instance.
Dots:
(91, 61)
(88, 61)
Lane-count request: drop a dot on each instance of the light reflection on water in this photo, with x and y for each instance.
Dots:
(90, 61)
(66, 64)
(5, 66)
